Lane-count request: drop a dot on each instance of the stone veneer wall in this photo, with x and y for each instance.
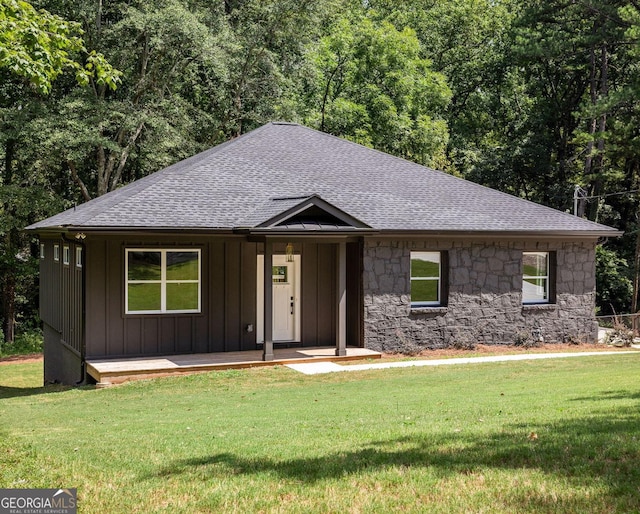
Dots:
(484, 301)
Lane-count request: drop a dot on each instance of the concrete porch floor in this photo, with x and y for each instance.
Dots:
(116, 371)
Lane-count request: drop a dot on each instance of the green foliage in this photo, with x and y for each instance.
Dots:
(39, 46)
(524, 96)
(372, 85)
(25, 343)
(612, 282)
(466, 41)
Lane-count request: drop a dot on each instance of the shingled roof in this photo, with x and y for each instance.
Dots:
(281, 169)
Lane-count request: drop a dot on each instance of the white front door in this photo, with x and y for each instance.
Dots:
(286, 293)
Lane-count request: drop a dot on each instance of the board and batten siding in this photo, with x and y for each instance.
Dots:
(228, 302)
(50, 290)
(61, 290)
(318, 292)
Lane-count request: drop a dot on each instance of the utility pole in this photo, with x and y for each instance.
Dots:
(578, 193)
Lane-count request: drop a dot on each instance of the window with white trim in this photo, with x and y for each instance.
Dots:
(56, 253)
(78, 257)
(159, 281)
(426, 273)
(42, 250)
(66, 255)
(535, 277)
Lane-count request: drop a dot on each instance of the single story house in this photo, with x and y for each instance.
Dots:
(289, 235)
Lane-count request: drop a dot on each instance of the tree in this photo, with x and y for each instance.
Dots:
(158, 46)
(372, 85)
(612, 282)
(36, 47)
(465, 40)
(39, 46)
(269, 58)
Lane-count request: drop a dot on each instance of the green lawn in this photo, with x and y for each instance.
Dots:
(448, 439)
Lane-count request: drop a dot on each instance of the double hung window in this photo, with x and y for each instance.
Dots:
(162, 281)
(535, 277)
(426, 279)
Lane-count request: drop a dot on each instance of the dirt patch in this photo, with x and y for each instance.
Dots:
(487, 349)
(21, 359)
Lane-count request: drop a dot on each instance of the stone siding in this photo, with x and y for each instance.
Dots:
(484, 299)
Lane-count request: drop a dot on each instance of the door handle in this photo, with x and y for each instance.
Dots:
(291, 307)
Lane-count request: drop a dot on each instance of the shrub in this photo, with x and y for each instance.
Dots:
(525, 340)
(25, 343)
(464, 343)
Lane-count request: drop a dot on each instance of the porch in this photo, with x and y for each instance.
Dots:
(107, 372)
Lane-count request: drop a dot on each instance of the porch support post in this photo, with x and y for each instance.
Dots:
(267, 346)
(341, 303)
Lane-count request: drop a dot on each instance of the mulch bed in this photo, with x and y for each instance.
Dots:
(491, 349)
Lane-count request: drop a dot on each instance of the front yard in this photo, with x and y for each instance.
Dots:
(539, 436)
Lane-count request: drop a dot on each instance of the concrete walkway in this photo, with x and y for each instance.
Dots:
(315, 368)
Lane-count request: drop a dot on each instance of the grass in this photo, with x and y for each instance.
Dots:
(538, 436)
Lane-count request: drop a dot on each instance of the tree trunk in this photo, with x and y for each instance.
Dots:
(597, 166)
(8, 281)
(636, 275)
(9, 308)
(593, 122)
(78, 180)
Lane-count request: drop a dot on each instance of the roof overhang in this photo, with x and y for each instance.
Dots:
(503, 234)
(78, 229)
(340, 232)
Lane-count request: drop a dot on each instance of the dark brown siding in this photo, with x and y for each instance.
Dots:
(71, 298)
(228, 298)
(355, 327)
(61, 313)
(318, 294)
(228, 301)
(61, 364)
(74, 337)
(233, 330)
(215, 295)
(248, 295)
(50, 290)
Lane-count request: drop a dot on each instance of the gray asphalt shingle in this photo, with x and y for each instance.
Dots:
(235, 184)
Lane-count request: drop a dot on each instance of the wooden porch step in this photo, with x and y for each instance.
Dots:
(107, 372)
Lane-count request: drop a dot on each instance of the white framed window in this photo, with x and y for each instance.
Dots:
(56, 253)
(426, 277)
(42, 250)
(535, 277)
(66, 255)
(160, 281)
(78, 257)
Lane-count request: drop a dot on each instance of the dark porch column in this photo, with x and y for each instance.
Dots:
(341, 300)
(267, 346)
